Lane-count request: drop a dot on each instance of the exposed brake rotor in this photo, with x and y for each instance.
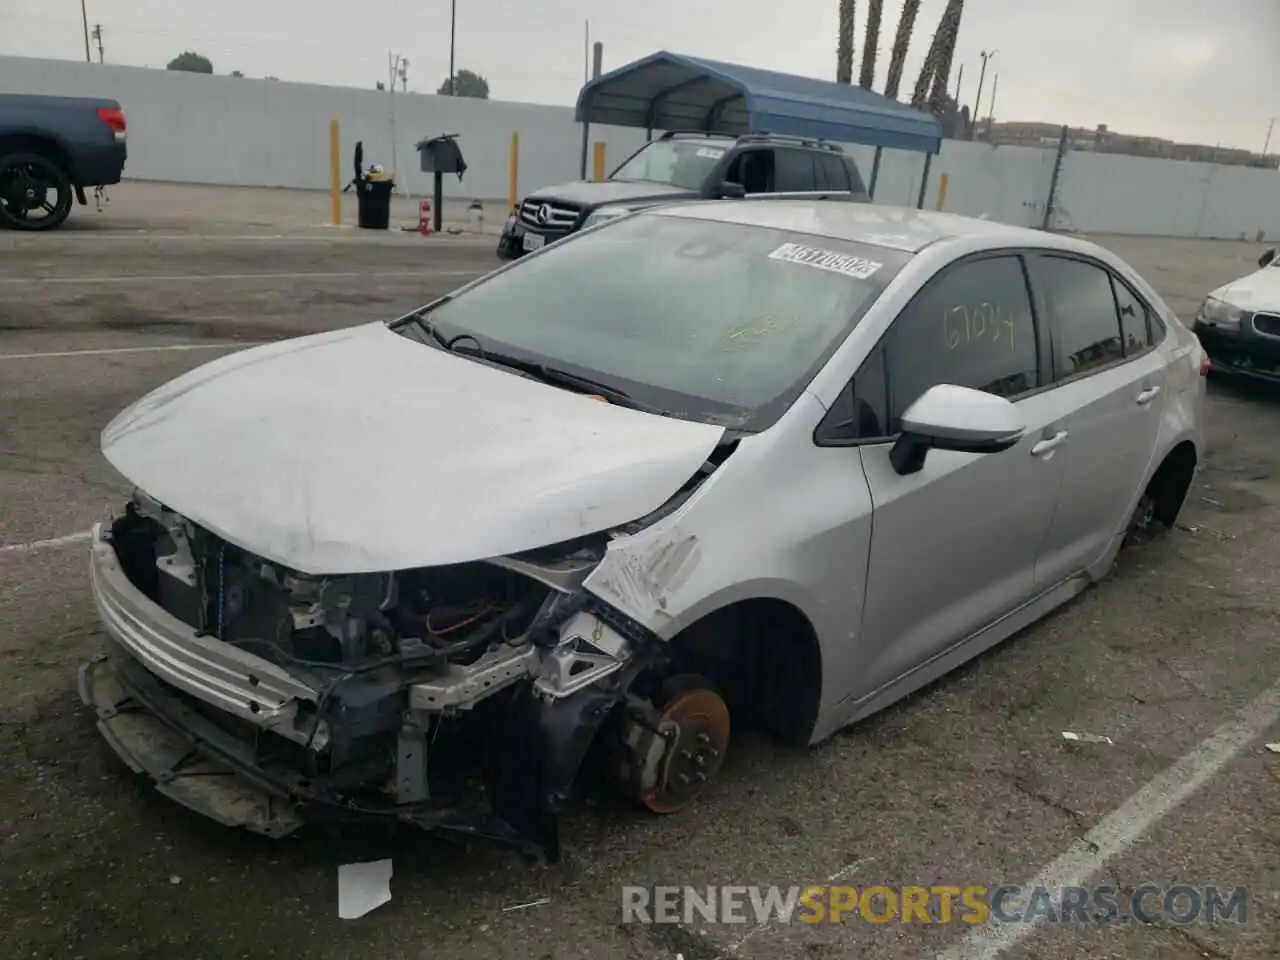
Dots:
(691, 731)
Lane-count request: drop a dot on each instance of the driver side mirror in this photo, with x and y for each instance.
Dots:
(728, 190)
(1266, 258)
(947, 417)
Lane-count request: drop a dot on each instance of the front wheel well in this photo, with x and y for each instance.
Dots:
(1171, 481)
(764, 657)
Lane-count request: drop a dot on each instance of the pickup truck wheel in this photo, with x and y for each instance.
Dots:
(35, 193)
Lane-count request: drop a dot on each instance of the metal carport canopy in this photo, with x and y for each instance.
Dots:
(669, 91)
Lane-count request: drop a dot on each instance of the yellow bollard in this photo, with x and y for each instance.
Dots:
(598, 161)
(513, 185)
(942, 192)
(335, 175)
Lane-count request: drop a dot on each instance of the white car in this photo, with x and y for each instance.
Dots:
(1239, 324)
(784, 461)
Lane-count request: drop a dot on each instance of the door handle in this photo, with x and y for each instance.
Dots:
(1049, 445)
(1146, 396)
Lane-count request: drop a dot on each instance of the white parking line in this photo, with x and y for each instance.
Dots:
(106, 351)
(35, 545)
(200, 277)
(1120, 829)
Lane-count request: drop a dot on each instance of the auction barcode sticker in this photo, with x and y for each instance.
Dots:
(836, 262)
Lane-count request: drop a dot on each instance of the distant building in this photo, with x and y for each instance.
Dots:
(1102, 139)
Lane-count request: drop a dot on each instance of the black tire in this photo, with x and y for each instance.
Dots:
(49, 177)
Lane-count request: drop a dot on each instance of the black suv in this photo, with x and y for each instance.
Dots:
(681, 166)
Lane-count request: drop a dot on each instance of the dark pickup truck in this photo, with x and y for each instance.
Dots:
(51, 149)
(685, 166)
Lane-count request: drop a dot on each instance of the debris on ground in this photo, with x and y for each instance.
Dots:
(363, 887)
(526, 906)
(1085, 737)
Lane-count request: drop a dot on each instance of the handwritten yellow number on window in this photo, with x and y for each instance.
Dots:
(983, 322)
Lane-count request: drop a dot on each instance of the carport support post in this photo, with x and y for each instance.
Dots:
(335, 173)
(875, 173)
(437, 210)
(924, 181)
(513, 185)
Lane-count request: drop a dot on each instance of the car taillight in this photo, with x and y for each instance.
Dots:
(113, 117)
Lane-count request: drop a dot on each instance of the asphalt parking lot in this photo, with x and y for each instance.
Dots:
(968, 783)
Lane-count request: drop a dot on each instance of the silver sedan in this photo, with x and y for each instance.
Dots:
(765, 462)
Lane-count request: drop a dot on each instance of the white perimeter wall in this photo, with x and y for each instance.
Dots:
(229, 130)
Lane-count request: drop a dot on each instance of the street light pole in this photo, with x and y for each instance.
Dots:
(84, 16)
(977, 100)
(991, 107)
(453, 24)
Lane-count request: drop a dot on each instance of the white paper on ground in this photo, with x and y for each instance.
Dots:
(363, 887)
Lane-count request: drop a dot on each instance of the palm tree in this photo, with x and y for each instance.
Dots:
(927, 70)
(901, 40)
(844, 43)
(936, 72)
(871, 44)
(949, 32)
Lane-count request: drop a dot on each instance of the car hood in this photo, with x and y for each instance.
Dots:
(1259, 290)
(589, 194)
(362, 451)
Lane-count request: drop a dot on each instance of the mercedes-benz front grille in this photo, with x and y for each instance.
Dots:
(549, 215)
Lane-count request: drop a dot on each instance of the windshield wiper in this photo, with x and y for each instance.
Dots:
(421, 319)
(563, 378)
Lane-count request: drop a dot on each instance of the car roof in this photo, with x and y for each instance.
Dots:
(881, 225)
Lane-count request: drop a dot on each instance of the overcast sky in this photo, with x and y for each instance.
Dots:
(1185, 69)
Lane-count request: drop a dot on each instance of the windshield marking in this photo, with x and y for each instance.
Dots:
(859, 268)
(711, 153)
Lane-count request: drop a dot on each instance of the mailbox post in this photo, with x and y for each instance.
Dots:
(438, 156)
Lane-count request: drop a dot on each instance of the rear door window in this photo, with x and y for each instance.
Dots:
(793, 171)
(1137, 325)
(1083, 307)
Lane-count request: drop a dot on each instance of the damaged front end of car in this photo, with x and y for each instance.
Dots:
(462, 698)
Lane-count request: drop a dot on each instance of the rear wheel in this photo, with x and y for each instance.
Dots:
(35, 192)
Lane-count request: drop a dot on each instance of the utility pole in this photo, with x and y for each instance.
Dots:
(991, 110)
(959, 81)
(586, 53)
(1271, 126)
(84, 17)
(97, 35)
(977, 100)
(404, 75)
(453, 27)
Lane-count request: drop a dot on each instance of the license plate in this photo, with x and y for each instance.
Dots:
(534, 241)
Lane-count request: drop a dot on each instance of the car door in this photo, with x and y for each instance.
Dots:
(1111, 384)
(954, 546)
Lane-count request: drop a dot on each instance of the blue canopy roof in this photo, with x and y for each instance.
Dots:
(669, 91)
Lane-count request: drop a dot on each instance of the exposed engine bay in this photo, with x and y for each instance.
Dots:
(462, 698)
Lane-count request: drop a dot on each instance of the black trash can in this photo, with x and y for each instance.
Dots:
(374, 204)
